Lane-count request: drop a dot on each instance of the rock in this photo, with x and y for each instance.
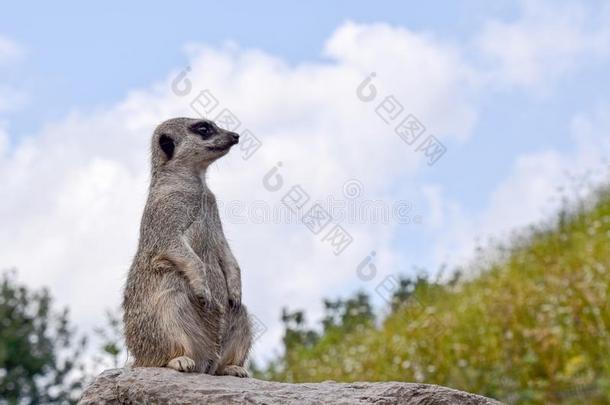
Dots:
(165, 386)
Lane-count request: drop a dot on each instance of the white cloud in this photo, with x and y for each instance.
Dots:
(10, 98)
(9, 50)
(428, 77)
(545, 42)
(4, 141)
(74, 192)
(533, 191)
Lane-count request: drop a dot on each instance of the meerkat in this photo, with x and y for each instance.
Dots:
(182, 299)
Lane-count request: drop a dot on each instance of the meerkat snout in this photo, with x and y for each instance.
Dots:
(217, 139)
(190, 142)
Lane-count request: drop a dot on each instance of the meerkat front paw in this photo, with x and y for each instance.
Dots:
(236, 371)
(182, 363)
(206, 299)
(202, 292)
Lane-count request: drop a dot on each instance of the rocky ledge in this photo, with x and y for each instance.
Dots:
(165, 386)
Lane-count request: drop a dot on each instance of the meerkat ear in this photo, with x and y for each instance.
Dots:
(167, 146)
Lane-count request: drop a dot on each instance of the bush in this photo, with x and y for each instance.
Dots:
(39, 357)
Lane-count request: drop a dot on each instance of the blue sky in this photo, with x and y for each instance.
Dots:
(85, 55)
(516, 91)
(82, 56)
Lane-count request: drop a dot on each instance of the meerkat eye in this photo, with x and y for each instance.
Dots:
(204, 129)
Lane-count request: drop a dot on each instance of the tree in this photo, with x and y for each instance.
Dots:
(111, 341)
(40, 358)
(295, 332)
(348, 314)
(406, 287)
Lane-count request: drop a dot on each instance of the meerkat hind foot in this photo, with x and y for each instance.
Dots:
(182, 363)
(236, 371)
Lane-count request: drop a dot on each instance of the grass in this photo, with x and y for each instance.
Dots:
(530, 324)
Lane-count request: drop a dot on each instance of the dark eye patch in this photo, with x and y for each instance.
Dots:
(203, 129)
(167, 145)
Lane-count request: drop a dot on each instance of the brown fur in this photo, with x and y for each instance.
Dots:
(182, 300)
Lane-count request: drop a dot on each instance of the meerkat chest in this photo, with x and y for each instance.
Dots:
(209, 215)
(206, 230)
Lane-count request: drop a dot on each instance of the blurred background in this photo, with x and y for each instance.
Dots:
(419, 194)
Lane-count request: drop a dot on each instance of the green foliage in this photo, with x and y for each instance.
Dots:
(295, 333)
(347, 315)
(38, 352)
(111, 345)
(525, 323)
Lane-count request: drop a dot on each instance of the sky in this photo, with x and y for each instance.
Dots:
(513, 99)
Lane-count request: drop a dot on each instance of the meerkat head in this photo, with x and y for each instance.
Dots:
(192, 143)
